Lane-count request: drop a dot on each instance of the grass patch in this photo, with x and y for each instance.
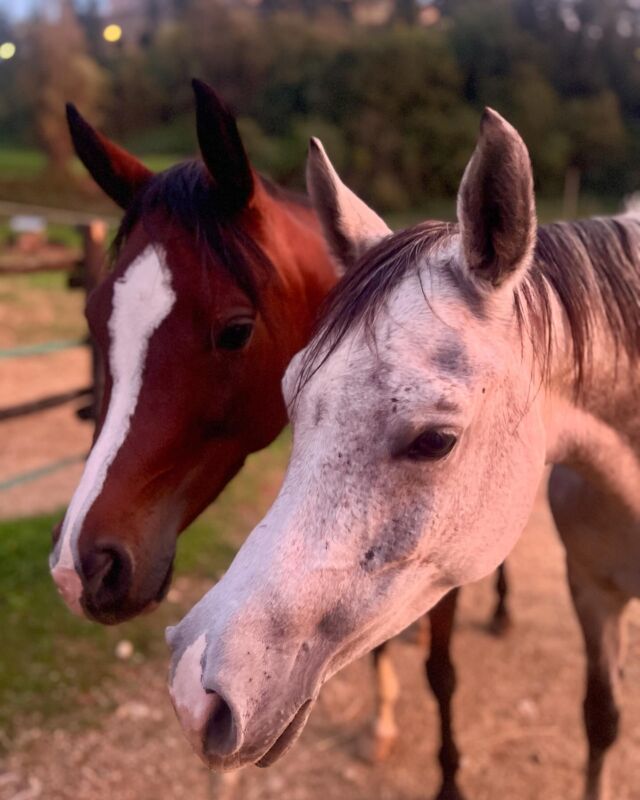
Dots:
(28, 164)
(52, 662)
(21, 163)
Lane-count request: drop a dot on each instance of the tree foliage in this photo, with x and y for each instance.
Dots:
(398, 103)
(56, 67)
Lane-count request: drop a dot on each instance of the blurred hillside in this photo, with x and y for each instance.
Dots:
(393, 87)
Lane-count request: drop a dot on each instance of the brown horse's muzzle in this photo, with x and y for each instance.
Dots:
(112, 592)
(108, 583)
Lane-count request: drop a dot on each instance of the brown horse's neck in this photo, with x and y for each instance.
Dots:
(297, 249)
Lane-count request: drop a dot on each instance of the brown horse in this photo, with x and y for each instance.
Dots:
(217, 279)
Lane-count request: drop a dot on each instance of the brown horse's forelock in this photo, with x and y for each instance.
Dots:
(183, 195)
(592, 266)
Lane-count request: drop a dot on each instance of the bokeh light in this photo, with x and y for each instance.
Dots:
(112, 33)
(7, 50)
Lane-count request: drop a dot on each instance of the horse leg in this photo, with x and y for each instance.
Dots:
(501, 619)
(594, 530)
(385, 731)
(442, 680)
(600, 612)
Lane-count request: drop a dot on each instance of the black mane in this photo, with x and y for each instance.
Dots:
(183, 192)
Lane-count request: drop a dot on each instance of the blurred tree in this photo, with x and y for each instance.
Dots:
(406, 11)
(92, 23)
(56, 68)
(13, 114)
(595, 131)
(399, 104)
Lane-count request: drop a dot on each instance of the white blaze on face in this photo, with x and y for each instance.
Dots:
(142, 299)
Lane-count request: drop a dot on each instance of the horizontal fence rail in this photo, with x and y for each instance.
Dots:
(43, 348)
(41, 472)
(43, 404)
(90, 263)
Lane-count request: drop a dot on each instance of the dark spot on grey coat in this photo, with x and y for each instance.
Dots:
(452, 357)
(336, 623)
(369, 559)
(399, 537)
(320, 411)
(280, 625)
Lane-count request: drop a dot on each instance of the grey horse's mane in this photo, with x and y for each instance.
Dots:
(592, 266)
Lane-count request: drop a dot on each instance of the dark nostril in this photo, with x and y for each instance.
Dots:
(107, 573)
(220, 736)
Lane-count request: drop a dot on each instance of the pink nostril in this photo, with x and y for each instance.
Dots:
(220, 736)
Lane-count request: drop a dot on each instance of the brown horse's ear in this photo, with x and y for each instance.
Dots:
(222, 151)
(496, 206)
(350, 226)
(119, 174)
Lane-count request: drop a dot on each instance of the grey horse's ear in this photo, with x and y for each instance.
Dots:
(496, 205)
(350, 226)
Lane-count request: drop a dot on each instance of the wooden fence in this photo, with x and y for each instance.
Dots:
(85, 269)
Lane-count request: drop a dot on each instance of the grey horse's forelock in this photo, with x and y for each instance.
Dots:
(592, 266)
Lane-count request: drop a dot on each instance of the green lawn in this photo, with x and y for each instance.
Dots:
(29, 164)
(19, 163)
(51, 661)
(24, 179)
(21, 181)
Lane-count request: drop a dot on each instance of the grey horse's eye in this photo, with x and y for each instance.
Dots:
(431, 445)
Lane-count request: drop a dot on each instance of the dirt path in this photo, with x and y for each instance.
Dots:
(517, 711)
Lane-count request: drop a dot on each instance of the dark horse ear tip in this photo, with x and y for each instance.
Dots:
(73, 115)
(205, 93)
(198, 86)
(222, 150)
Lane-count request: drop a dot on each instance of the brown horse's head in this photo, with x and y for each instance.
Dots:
(216, 280)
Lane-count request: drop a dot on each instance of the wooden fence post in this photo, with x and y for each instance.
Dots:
(95, 237)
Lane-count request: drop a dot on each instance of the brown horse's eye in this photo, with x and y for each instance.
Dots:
(432, 445)
(235, 335)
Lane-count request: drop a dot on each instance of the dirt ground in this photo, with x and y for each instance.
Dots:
(517, 709)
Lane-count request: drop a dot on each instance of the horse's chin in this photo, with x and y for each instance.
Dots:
(288, 737)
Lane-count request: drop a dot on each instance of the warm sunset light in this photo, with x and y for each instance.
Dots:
(112, 33)
(7, 50)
